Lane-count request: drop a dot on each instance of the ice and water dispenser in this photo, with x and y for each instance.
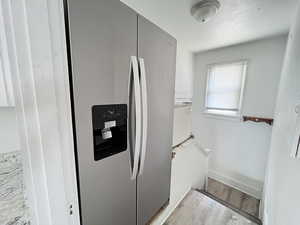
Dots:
(109, 130)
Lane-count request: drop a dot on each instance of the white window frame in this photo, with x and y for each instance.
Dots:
(5, 75)
(226, 113)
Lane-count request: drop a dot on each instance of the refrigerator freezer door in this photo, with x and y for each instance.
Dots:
(158, 49)
(103, 37)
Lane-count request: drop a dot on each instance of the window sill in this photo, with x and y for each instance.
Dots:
(214, 114)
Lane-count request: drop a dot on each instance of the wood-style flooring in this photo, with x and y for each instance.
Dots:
(233, 197)
(198, 209)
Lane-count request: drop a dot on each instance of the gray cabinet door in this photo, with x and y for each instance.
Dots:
(158, 49)
(103, 36)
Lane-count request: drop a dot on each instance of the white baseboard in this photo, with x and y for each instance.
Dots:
(254, 190)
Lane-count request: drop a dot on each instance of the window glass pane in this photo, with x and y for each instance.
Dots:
(224, 86)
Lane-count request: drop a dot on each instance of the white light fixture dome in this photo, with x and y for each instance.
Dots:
(205, 10)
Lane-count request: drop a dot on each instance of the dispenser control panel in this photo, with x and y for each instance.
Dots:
(109, 130)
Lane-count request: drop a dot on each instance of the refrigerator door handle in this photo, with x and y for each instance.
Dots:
(144, 114)
(134, 71)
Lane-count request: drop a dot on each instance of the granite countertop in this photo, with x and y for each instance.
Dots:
(13, 206)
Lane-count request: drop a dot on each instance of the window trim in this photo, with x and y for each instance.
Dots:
(222, 112)
(6, 69)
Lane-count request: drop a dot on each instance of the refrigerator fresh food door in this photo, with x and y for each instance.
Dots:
(157, 50)
(103, 37)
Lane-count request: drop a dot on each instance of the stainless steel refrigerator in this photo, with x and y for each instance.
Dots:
(122, 71)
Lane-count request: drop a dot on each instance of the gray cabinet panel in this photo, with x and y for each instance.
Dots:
(159, 52)
(103, 36)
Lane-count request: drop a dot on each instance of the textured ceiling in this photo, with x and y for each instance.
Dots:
(237, 21)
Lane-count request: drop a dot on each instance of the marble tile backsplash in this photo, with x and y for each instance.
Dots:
(13, 205)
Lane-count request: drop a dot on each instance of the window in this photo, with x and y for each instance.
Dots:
(224, 91)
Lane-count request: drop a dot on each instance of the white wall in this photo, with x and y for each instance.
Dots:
(283, 181)
(182, 127)
(240, 149)
(9, 137)
(184, 75)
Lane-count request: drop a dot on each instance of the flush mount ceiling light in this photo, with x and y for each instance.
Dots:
(205, 10)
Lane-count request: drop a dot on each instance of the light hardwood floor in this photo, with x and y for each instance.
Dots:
(198, 209)
(234, 197)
